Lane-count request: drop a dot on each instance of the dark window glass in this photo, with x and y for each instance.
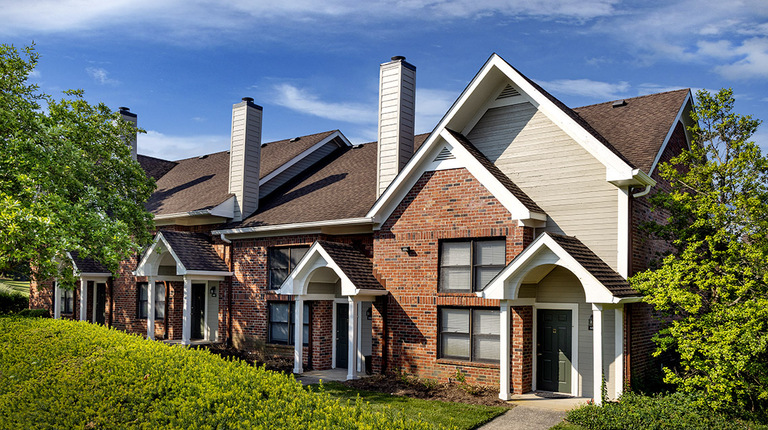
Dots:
(467, 266)
(281, 323)
(67, 300)
(469, 334)
(282, 261)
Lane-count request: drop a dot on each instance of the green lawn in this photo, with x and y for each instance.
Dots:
(20, 286)
(448, 414)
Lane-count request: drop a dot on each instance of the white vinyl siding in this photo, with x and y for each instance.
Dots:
(555, 171)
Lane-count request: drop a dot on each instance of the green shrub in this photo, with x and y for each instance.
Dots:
(34, 313)
(71, 374)
(12, 302)
(668, 411)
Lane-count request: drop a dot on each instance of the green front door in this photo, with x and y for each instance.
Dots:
(553, 350)
(198, 311)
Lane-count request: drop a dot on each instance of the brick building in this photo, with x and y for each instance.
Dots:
(498, 245)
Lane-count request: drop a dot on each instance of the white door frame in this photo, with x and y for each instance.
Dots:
(574, 308)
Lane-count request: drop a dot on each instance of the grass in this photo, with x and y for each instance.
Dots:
(447, 414)
(19, 286)
(567, 426)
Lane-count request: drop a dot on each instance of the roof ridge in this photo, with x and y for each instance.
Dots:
(633, 98)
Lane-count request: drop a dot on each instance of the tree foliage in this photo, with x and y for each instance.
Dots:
(67, 180)
(714, 284)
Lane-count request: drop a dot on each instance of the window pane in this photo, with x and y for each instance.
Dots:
(306, 313)
(455, 278)
(296, 254)
(484, 275)
(143, 291)
(486, 322)
(277, 276)
(159, 293)
(455, 254)
(489, 252)
(454, 320)
(279, 332)
(159, 310)
(280, 312)
(485, 348)
(305, 339)
(455, 345)
(279, 258)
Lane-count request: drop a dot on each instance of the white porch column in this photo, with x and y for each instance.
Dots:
(93, 301)
(597, 352)
(298, 336)
(186, 322)
(504, 343)
(151, 309)
(619, 342)
(56, 300)
(353, 341)
(83, 298)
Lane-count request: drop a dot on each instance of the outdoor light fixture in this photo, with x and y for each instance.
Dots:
(213, 293)
(405, 248)
(590, 324)
(369, 314)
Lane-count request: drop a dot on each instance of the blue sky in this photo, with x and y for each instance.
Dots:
(313, 65)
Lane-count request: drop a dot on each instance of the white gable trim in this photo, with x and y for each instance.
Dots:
(316, 257)
(150, 262)
(678, 118)
(544, 251)
(424, 161)
(301, 156)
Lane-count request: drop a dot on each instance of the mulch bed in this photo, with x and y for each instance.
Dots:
(400, 385)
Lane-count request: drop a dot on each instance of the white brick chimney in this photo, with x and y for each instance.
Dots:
(245, 157)
(131, 117)
(397, 100)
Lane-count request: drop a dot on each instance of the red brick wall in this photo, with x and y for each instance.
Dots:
(521, 368)
(321, 333)
(445, 204)
(641, 323)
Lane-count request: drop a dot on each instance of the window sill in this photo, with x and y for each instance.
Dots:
(456, 294)
(479, 364)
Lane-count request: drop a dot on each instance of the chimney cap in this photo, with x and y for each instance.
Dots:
(124, 109)
(619, 103)
(248, 99)
(398, 58)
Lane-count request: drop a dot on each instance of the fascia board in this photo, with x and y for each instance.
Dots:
(685, 107)
(287, 287)
(282, 228)
(180, 269)
(207, 273)
(303, 155)
(140, 267)
(75, 271)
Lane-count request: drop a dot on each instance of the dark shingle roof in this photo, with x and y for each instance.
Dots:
(615, 283)
(193, 184)
(195, 250)
(87, 265)
(638, 128)
(275, 154)
(155, 167)
(498, 174)
(356, 266)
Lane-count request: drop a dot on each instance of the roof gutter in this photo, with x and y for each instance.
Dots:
(295, 226)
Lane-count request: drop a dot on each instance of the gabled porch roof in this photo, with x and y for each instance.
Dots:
(355, 270)
(601, 283)
(191, 253)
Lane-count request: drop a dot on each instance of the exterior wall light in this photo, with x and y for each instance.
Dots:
(590, 324)
(213, 293)
(405, 248)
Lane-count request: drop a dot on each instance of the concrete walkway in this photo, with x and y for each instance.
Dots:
(532, 412)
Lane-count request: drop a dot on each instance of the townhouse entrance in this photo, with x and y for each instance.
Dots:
(342, 335)
(198, 311)
(553, 350)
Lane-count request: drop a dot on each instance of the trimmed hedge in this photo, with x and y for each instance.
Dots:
(667, 411)
(12, 302)
(71, 374)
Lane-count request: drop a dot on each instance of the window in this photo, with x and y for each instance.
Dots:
(144, 300)
(281, 263)
(468, 266)
(469, 334)
(281, 323)
(67, 300)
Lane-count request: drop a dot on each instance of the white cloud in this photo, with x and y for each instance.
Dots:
(100, 75)
(159, 145)
(301, 100)
(753, 62)
(180, 16)
(431, 105)
(587, 88)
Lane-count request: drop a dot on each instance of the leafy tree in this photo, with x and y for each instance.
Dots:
(713, 286)
(67, 180)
